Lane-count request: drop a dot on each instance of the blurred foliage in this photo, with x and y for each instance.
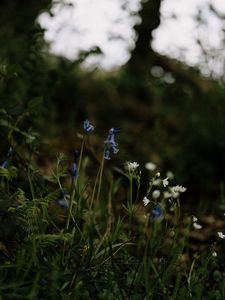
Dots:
(169, 113)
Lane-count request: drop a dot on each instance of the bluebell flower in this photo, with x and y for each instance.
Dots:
(88, 127)
(5, 164)
(62, 202)
(111, 143)
(157, 212)
(73, 170)
(110, 140)
(76, 154)
(107, 154)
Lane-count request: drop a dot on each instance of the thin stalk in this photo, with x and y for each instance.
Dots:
(94, 189)
(72, 194)
(100, 178)
(81, 154)
(130, 200)
(30, 182)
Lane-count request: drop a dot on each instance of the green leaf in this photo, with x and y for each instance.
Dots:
(35, 103)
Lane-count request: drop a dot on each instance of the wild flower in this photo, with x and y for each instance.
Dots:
(176, 190)
(165, 182)
(132, 166)
(157, 212)
(156, 194)
(169, 174)
(62, 202)
(221, 235)
(110, 143)
(4, 165)
(146, 201)
(73, 170)
(150, 166)
(88, 127)
(179, 189)
(214, 254)
(197, 226)
(157, 174)
(107, 154)
(194, 219)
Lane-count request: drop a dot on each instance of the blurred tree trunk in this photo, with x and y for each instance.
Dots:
(142, 55)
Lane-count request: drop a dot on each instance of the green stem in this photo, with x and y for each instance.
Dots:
(30, 182)
(100, 178)
(130, 200)
(81, 154)
(72, 194)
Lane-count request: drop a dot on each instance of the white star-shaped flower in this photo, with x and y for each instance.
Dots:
(146, 201)
(165, 182)
(221, 235)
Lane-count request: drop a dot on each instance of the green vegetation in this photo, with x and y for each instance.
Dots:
(80, 220)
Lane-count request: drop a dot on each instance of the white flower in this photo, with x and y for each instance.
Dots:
(146, 201)
(179, 189)
(165, 182)
(221, 235)
(197, 226)
(157, 174)
(169, 174)
(132, 166)
(150, 166)
(194, 219)
(176, 190)
(214, 254)
(156, 194)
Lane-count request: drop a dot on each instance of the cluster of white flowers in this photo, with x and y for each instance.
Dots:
(132, 166)
(177, 190)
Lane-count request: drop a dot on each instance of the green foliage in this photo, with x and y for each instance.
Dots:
(95, 248)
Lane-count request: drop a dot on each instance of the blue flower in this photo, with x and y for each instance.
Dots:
(73, 170)
(110, 140)
(62, 202)
(88, 127)
(157, 212)
(107, 154)
(110, 143)
(5, 164)
(76, 154)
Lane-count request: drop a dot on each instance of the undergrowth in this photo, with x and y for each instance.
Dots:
(93, 231)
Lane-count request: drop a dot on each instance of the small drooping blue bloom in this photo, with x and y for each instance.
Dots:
(5, 164)
(110, 140)
(88, 127)
(157, 212)
(111, 143)
(76, 154)
(62, 202)
(73, 170)
(107, 154)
